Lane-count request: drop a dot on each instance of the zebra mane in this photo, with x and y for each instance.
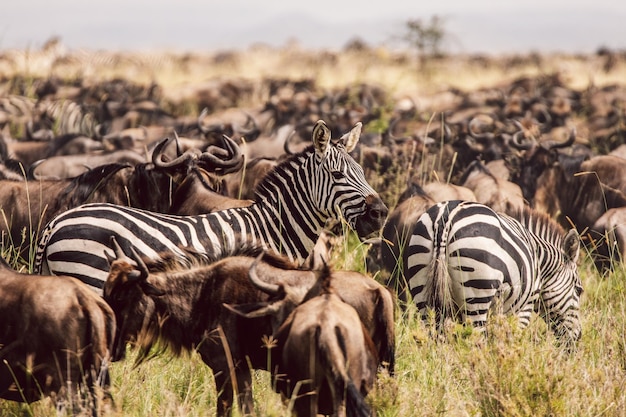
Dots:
(262, 187)
(539, 223)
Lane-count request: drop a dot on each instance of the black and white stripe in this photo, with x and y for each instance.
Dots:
(464, 260)
(292, 205)
(68, 117)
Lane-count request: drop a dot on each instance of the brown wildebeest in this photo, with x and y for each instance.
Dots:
(160, 301)
(326, 359)
(609, 238)
(55, 334)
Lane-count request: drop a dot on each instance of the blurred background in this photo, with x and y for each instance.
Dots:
(480, 26)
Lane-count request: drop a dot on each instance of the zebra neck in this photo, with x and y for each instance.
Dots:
(285, 227)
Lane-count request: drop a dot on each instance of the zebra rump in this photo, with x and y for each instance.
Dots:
(464, 261)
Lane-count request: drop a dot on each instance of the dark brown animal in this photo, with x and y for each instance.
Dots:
(384, 257)
(326, 359)
(608, 239)
(56, 337)
(70, 166)
(27, 206)
(159, 301)
(197, 194)
(575, 189)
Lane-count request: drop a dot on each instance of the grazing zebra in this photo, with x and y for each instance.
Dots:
(292, 205)
(464, 260)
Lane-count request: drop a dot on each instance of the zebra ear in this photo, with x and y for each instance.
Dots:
(571, 245)
(352, 138)
(321, 136)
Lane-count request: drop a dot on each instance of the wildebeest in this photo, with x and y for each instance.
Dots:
(608, 236)
(159, 300)
(326, 359)
(28, 205)
(499, 194)
(56, 337)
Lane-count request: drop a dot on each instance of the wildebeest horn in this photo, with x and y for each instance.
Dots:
(158, 151)
(286, 147)
(270, 289)
(250, 130)
(231, 151)
(218, 127)
(520, 142)
(118, 252)
(121, 256)
(557, 145)
(143, 269)
(471, 128)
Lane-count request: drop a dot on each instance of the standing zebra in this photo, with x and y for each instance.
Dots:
(463, 259)
(292, 205)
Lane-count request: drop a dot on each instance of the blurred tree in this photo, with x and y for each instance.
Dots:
(426, 38)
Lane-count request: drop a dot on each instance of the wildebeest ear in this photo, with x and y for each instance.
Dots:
(321, 137)
(352, 138)
(571, 245)
(254, 310)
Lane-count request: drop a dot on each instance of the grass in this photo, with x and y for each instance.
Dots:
(508, 372)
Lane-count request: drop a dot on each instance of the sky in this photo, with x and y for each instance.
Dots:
(486, 26)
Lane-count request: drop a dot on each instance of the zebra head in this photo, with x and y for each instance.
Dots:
(341, 190)
(560, 295)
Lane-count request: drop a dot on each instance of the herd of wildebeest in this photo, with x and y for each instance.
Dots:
(532, 142)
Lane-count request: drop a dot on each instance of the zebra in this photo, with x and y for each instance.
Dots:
(292, 205)
(464, 260)
(68, 117)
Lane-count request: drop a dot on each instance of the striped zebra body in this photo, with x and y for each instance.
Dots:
(464, 260)
(292, 205)
(68, 117)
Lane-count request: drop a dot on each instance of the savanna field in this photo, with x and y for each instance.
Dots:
(508, 372)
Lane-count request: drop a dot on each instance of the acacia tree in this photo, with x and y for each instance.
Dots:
(426, 38)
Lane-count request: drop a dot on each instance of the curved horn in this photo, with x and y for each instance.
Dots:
(249, 130)
(158, 152)
(31, 174)
(270, 289)
(143, 269)
(392, 128)
(471, 130)
(216, 127)
(286, 147)
(121, 256)
(557, 145)
(158, 149)
(117, 249)
(231, 151)
(520, 142)
(201, 117)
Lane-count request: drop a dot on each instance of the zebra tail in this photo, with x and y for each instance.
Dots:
(440, 297)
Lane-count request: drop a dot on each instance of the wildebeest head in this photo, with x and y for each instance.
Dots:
(283, 298)
(124, 291)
